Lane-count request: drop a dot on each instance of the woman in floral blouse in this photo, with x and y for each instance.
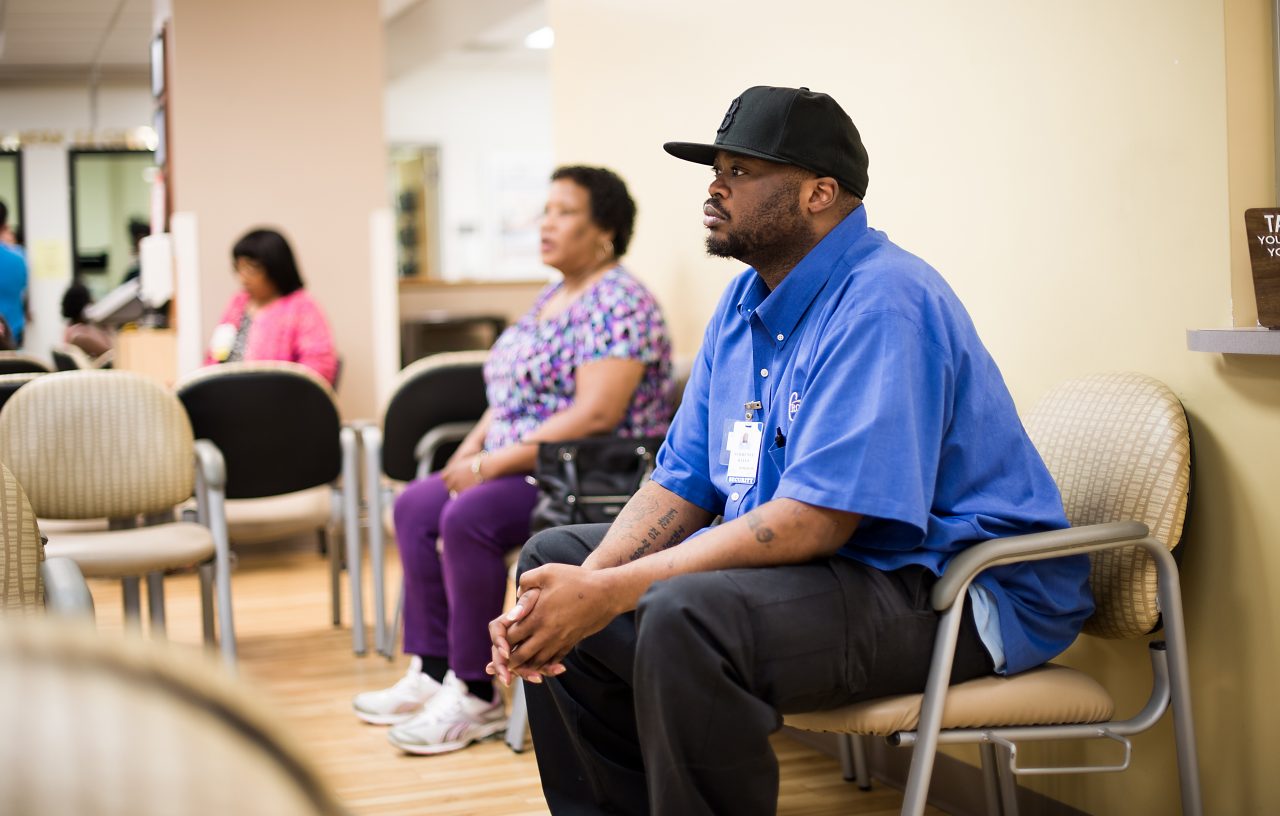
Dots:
(591, 357)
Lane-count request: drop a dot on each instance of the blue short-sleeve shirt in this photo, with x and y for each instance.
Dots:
(878, 398)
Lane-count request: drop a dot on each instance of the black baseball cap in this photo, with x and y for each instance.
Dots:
(789, 125)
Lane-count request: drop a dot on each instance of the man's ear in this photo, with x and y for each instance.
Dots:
(821, 194)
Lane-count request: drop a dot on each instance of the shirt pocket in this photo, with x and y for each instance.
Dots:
(777, 457)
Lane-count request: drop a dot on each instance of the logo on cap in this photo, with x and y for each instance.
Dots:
(729, 114)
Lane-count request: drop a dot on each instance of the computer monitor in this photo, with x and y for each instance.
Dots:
(119, 306)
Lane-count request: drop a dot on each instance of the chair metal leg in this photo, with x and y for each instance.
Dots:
(396, 625)
(1007, 782)
(990, 782)
(518, 722)
(371, 442)
(222, 582)
(132, 602)
(206, 602)
(155, 603)
(351, 489)
(861, 775)
(211, 482)
(1170, 595)
(853, 760)
(335, 581)
(926, 748)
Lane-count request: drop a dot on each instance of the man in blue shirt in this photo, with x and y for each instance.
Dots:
(13, 280)
(848, 424)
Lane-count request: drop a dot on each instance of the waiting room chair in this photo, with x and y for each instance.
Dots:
(70, 358)
(30, 582)
(17, 362)
(116, 445)
(435, 402)
(126, 727)
(1119, 447)
(277, 426)
(10, 383)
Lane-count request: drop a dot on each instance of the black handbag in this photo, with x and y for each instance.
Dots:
(589, 479)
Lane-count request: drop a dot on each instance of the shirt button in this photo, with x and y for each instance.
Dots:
(780, 338)
(764, 372)
(733, 497)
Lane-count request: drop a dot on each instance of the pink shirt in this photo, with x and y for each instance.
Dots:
(290, 328)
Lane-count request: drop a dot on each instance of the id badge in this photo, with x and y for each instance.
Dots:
(743, 446)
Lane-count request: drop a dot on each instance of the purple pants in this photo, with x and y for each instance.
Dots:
(450, 599)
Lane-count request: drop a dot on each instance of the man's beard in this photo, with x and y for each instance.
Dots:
(771, 230)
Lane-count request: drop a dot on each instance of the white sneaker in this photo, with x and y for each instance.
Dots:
(453, 719)
(400, 703)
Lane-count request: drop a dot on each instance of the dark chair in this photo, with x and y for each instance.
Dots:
(70, 358)
(434, 404)
(278, 428)
(16, 362)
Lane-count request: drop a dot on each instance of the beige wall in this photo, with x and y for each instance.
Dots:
(1076, 172)
(276, 119)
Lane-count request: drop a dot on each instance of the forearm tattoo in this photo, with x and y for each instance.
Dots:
(663, 535)
(763, 532)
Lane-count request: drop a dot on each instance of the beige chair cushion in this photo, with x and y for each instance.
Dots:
(21, 552)
(121, 727)
(1048, 695)
(255, 521)
(120, 553)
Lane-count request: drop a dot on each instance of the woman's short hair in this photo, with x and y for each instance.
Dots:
(74, 301)
(611, 204)
(271, 251)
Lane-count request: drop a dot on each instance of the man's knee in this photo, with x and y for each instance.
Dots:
(561, 545)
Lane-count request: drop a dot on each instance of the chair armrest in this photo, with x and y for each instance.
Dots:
(1031, 547)
(425, 450)
(210, 465)
(65, 590)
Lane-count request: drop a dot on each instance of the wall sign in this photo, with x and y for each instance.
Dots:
(1263, 228)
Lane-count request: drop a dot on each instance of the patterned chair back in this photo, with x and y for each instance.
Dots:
(10, 383)
(98, 444)
(1119, 447)
(21, 550)
(116, 726)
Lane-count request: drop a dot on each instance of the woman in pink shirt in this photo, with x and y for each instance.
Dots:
(272, 317)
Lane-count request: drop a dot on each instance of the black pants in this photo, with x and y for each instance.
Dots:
(668, 710)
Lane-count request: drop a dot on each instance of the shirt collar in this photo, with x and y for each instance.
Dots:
(781, 309)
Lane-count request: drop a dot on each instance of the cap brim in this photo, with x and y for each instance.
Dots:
(706, 153)
(691, 151)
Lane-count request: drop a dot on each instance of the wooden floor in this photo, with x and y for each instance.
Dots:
(303, 668)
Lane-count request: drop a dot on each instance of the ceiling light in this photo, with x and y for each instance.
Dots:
(541, 39)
